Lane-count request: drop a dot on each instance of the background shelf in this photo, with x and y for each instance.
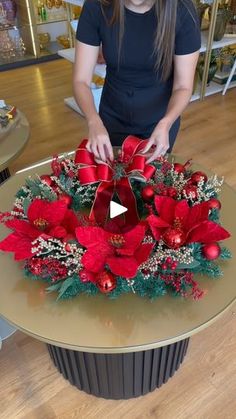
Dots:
(75, 2)
(225, 41)
(46, 22)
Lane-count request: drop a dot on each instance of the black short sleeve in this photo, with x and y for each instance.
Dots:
(89, 22)
(188, 34)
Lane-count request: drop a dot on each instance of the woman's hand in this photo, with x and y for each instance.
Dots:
(98, 140)
(159, 140)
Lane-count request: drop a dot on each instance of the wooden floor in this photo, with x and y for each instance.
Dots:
(205, 386)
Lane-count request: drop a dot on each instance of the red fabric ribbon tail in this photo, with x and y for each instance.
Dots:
(100, 209)
(128, 200)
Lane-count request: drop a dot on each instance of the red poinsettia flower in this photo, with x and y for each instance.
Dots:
(66, 229)
(44, 218)
(191, 222)
(123, 252)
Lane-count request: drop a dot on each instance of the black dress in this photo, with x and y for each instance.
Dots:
(134, 99)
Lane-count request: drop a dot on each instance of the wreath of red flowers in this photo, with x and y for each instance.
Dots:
(61, 228)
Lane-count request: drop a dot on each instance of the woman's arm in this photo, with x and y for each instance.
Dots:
(184, 70)
(85, 61)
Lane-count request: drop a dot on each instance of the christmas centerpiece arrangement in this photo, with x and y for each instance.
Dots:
(62, 234)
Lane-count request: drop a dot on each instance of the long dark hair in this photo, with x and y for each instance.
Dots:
(166, 12)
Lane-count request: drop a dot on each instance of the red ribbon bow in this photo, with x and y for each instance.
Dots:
(133, 164)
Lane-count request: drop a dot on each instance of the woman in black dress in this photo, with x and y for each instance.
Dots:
(151, 49)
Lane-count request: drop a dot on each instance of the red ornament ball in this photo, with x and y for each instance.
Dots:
(47, 179)
(147, 193)
(86, 276)
(66, 199)
(174, 265)
(172, 192)
(211, 251)
(214, 203)
(179, 168)
(197, 177)
(174, 238)
(106, 282)
(191, 190)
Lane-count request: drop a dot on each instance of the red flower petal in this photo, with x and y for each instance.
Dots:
(156, 233)
(52, 212)
(157, 222)
(70, 222)
(58, 232)
(116, 226)
(21, 246)
(124, 251)
(23, 227)
(207, 232)
(134, 237)
(92, 237)
(123, 266)
(165, 207)
(197, 214)
(143, 252)
(93, 261)
(9, 243)
(182, 210)
(24, 250)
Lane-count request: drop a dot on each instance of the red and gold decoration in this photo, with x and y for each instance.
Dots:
(61, 230)
(114, 177)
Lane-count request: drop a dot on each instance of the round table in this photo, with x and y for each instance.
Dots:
(12, 144)
(114, 349)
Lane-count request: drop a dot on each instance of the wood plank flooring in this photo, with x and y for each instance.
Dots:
(205, 386)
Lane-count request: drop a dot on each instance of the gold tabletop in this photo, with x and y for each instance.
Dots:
(97, 324)
(12, 144)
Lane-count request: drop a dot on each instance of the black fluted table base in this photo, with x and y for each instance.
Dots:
(119, 376)
(4, 175)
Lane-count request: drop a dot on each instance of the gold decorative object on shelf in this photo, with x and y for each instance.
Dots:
(63, 40)
(49, 4)
(58, 3)
(201, 8)
(223, 16)
(212, 68)
(227, 57)
(44, 39)
(98, 80)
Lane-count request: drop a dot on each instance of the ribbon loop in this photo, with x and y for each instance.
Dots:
(135, 166)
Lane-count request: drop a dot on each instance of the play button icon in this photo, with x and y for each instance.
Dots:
(116, 209)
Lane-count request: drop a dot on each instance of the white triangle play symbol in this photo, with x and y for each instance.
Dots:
(116, 209)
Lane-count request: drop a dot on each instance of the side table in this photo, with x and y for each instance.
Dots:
(12, 145)
(115, 349)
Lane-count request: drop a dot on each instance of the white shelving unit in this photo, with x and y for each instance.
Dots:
(75, 2)
(224, 42)
(68, 54)
(214, 87)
